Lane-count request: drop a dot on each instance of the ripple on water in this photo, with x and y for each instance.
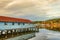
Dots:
(45, 34)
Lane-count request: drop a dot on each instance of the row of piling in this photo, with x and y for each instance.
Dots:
(8, 33)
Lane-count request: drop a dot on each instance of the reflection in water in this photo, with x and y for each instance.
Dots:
(23, 37)
(45, 34)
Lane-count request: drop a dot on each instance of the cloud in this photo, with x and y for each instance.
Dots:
(23, 7)
(40, 8)
(3, 3)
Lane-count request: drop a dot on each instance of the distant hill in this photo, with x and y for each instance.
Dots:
(53, 24)
(53, 20)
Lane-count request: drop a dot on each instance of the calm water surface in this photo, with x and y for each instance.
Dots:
(45, 34)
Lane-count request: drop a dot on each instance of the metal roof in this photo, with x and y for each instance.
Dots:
(11, 19)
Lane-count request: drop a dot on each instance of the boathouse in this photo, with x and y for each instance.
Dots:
(12, 23)
(9, 27)
(9, 23)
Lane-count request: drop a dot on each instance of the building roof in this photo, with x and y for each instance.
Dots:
(11, 19)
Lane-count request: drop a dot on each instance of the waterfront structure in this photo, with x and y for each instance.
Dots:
(12, 23)
(10, 27)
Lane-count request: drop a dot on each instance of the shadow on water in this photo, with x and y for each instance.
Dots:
(23, 37)
(43, 34)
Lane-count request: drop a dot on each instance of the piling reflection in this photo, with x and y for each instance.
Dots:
(6, 34)
(23, 37)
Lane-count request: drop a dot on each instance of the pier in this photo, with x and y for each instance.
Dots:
(13, 27)
(10, 33)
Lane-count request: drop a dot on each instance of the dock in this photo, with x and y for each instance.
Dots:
(7, 34)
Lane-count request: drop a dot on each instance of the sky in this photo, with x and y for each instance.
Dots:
(35, 10)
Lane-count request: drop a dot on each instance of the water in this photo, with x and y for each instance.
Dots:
(45, 34)
(23, 37)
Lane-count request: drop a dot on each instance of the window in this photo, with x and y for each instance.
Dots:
(13, 23)
(18, 23)
(23, 23)
(5, 23)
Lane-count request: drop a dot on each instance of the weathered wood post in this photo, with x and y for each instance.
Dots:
(3, 33)
(9, 33)
(0, 34)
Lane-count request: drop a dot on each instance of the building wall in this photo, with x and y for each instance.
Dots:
(9, 25)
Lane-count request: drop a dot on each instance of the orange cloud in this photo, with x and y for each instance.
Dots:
(33, 7)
